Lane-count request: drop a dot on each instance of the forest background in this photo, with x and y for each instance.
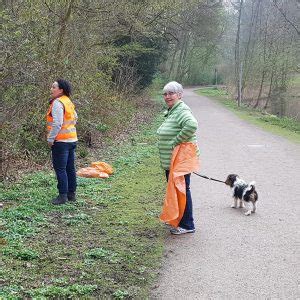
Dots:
(118, 55)
(115, 52)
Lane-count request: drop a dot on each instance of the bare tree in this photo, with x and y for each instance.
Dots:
(238, 61)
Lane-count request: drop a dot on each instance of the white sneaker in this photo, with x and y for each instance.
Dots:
(180, 230)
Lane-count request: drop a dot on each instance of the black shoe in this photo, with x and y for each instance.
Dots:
(60, 199)
(71, 196)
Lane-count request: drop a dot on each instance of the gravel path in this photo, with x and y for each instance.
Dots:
(232, 256)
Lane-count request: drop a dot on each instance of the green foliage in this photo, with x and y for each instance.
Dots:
(117, 59)
(120, 294)
(202, 65)
(101, 253)
(11, 292)
(269, 57)
(76, 219)
(16, 221)
(18, 252)
(44, 41)
(143, 55)
(287, 123)
(102, 127)
(82, 151)
(158, 83)
(213, 92)
(107, 244)
(97, 253)
(53, 291)
(31, 140)
(194, 45)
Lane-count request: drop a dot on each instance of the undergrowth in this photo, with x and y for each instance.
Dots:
(108, 244)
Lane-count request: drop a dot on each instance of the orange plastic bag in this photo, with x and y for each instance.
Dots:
(103, 167)
(184, 161)
(90, 172)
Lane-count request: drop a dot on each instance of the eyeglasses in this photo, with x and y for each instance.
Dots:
(169, 94)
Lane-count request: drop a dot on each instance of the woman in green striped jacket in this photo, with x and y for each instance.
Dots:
(179, 126)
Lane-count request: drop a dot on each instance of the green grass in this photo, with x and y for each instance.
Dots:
(108, 244)
(286, 127)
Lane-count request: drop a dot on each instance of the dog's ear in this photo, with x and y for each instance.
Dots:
(234, 177)
(231, 178)
(228, 180)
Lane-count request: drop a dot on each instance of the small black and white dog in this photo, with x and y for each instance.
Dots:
(243, 192)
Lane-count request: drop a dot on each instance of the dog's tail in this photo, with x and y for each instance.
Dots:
(252, 185)
(250, 188)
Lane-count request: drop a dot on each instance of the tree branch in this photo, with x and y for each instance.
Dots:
(285, 17)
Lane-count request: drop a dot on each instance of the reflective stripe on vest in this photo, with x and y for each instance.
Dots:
(68, 130)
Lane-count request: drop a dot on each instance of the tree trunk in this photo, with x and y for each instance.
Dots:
(251, 40)
(173, 61)
(264, 65)
(63, 28)
(270, 89)
(238, 54)
(179, 72)
(260, 89)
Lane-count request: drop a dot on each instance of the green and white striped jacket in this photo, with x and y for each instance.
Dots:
(179, 126)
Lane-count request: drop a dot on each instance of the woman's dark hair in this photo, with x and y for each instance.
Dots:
(65, 86)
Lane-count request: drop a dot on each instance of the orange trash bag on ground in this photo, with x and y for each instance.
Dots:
(103, 167)
(103, 171)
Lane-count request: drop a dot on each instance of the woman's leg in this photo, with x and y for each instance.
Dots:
(167, 174)
(60, 153)
(187, 221)
(70, 168)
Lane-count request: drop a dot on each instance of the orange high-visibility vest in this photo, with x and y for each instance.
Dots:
(68, 130)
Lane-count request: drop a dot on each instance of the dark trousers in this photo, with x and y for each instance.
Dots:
(63, 159)
(187, 221)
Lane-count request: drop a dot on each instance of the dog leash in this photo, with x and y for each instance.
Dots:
(209, 178)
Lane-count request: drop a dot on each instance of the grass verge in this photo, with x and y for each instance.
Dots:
(286, 127)
(108, 244)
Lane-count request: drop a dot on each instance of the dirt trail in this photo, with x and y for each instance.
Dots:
(232, 256)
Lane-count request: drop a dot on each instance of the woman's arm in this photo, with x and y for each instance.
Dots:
(58, 119)
(188, 125)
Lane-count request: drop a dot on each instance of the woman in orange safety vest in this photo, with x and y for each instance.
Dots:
(62, 138)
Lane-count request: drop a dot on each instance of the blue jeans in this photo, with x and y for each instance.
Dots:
(187, 221)
(63, 158)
